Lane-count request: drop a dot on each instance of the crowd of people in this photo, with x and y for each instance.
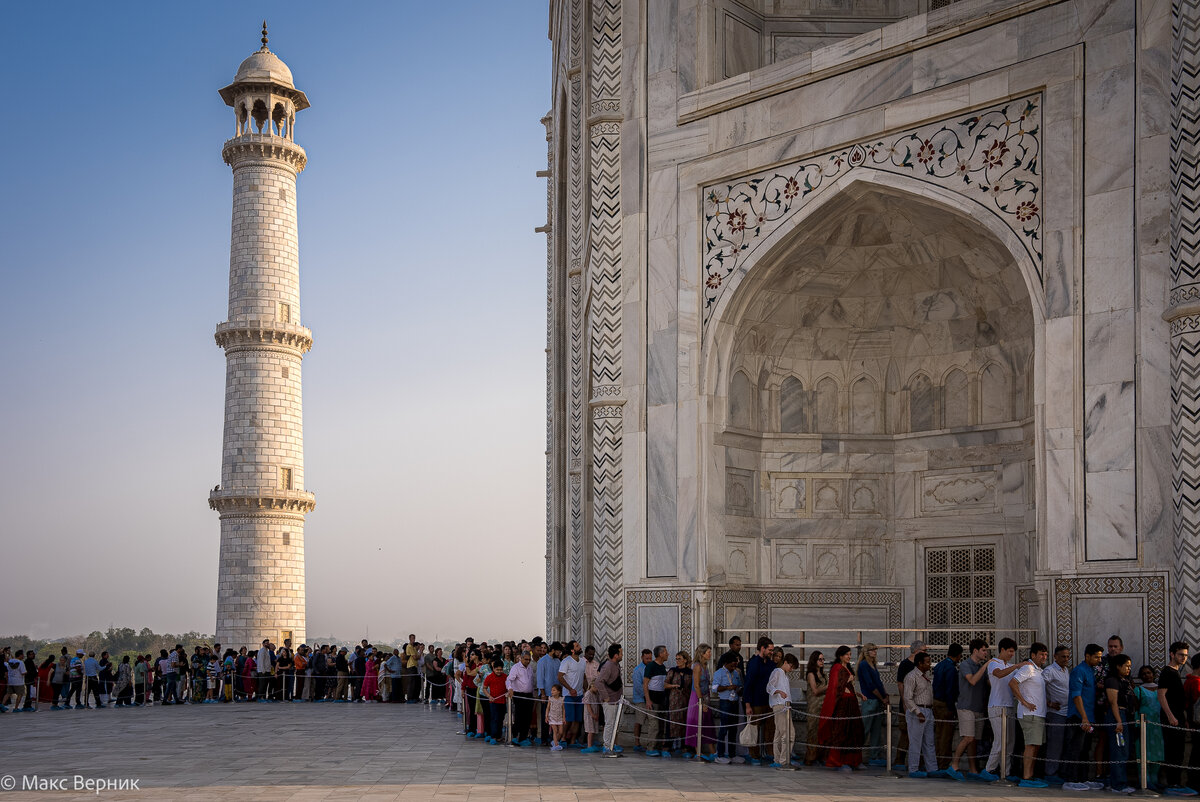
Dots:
(1038, 719)
(271, 673)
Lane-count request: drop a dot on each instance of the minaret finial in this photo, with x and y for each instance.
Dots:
(264, 36)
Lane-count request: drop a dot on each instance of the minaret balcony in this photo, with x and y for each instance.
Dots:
(257, 333)
(256, 147)
(247, 500)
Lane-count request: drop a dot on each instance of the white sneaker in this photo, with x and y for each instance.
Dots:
(1094, 786)
(1076, 787)
(737, 760)
(722, 760)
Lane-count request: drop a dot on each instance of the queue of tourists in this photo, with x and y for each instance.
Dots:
(1035, 720)
(1038, 719)
(271, 673)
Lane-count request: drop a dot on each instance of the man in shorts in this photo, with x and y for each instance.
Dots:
(972, 705)
(571, 676)
(1028, 687)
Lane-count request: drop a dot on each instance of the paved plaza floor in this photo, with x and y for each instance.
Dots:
(384, 752)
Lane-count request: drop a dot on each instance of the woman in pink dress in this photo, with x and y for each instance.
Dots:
(370, 684)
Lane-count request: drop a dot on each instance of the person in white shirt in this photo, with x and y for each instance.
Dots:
(262, 666)
(1057, 677)
(779, 694)
(918, 712)
(16, 681)
(1029, 688)
(1000, 702)
(571, 674)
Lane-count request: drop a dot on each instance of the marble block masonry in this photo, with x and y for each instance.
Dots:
(878, 316)
(261, 498)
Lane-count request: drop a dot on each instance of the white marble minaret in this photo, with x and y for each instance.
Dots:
(261, 498)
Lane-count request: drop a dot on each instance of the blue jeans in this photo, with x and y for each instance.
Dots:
(170, 691)
(872, 728)
(1118, 756)
(726, 738)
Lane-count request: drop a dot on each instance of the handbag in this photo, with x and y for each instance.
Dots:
(749, 735)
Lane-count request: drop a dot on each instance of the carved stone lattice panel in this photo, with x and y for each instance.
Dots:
(992, 157)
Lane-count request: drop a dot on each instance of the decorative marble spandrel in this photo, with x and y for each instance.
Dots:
(991, 156)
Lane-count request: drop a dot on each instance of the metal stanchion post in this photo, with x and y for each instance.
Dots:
(608, 750)
(1005, 755)
(508, 718)
(887, 725)
(1143, 765)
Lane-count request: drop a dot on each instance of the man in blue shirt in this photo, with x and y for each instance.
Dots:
(871, 686)
(639, 699)
(754, 695)
(727, 682)
(91, 679)
(945, 696)
(1081, 713)
(547, 678)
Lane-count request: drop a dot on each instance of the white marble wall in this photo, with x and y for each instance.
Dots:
(1087, 495)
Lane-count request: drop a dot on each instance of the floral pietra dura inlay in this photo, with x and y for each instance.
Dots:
(991, 156)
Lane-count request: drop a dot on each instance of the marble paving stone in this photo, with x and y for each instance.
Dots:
(378, 753)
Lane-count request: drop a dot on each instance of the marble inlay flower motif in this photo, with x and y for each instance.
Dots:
(991, 157)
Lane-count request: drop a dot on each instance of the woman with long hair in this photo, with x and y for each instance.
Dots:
(699, 732)
(679, 685)
(841, 728)
(817, 683)
(46, 690)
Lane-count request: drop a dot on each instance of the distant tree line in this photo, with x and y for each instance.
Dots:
(116, 641)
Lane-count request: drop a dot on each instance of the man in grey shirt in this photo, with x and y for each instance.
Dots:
(972, 704)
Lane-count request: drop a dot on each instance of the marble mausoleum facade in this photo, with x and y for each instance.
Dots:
(873, 314)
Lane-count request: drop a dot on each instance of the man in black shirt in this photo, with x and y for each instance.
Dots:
(757, 703)
(735, 649)
(1172, 701)
(654, 687)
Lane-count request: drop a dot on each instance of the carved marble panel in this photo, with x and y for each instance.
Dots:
(789, 497)
(791, 561)
(739, 492)
(740, 562)
(951, 493)
(866, 496)
(829, 561)
(829, 496)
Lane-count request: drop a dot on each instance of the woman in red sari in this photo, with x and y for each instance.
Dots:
(248, 677)
(841, 728)
(45, 686)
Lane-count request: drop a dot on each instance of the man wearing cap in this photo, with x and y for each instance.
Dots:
(342, 667)
(906, 665)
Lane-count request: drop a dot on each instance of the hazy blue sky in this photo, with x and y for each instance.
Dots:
(421, 278)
